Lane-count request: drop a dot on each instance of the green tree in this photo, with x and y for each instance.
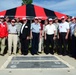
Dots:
(26, 2)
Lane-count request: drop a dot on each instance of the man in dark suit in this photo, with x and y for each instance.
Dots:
(24, 36)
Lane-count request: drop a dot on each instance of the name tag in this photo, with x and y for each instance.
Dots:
(26, 26)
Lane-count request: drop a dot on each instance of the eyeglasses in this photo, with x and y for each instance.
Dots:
(1, 18)
(12, 22)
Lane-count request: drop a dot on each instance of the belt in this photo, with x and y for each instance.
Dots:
(13, 33)
(35, 32)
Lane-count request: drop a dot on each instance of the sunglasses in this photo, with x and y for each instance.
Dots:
(1, 18)
(12, 21)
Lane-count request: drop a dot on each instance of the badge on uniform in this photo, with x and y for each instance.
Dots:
(26, 26)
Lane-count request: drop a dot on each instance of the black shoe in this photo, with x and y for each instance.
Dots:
(39, 52)
(32, 54)
(59, 53)
(64, 54)
(52, 53)
(24, 54)
(46, 53)
(75, 58)
(2, 54)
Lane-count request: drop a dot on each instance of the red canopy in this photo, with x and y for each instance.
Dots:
(31, 10)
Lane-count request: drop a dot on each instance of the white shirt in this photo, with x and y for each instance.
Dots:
(63, 27)
(49, 29)
(22, 28)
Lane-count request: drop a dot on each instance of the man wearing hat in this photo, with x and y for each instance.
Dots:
(41, 36)
(19, 25)
(73, 37)
(24, 36)
(50, 34)
(3, 34)
(69, 20)
(69, 39)
(7, 20)
(35, 34)
(56, 23)
(63, 35)
(12, 37)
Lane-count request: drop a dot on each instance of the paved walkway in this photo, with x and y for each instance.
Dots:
(68, 59)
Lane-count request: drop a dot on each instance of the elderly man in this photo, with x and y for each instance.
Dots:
(50, 34)
(12, 37)
(73, 37)
(24, 36)
(19, 25)
(63, 35)
(35, 34)
(56, 23)
(7, 20)
(3, 34)
(41, 37)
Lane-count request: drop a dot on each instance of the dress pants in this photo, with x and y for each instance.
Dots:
(35, 43)
(56, 45)
(24, 46)
(19, 45)
(40, 44)
(49, 44)
(2, 45)
(12, 38)
(73, 46)
(63, 43)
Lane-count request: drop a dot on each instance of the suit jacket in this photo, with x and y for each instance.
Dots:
(26, 31)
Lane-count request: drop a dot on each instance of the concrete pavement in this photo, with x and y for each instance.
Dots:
(68, 59)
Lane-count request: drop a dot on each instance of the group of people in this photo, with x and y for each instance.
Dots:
(37, 36)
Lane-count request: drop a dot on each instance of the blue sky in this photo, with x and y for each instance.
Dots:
(63, 6)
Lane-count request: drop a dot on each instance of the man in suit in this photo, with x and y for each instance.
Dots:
(24, 36)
